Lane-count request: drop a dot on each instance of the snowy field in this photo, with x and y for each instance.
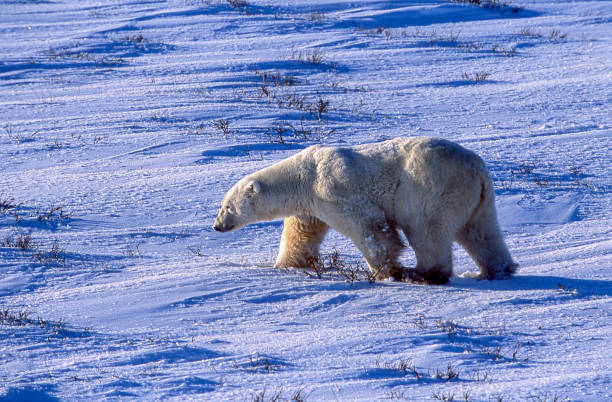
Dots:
(123, 124)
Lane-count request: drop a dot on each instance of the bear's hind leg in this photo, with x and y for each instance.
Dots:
(433, 250)
(482, 238)
(485, 244)
(300, 241)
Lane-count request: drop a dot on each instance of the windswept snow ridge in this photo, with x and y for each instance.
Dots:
(123, 124)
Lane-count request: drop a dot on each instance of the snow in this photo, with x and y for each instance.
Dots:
(111, 112)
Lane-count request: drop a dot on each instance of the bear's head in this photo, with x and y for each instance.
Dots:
(239, 206)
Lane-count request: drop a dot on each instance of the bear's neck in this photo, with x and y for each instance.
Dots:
(285, 189)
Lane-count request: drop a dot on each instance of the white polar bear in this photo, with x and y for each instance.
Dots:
(434, 190)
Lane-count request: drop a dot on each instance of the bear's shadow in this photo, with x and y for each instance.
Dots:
(575, 286)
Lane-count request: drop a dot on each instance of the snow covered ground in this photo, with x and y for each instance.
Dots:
(123, 124)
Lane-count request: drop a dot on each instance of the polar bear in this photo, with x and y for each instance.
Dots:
(433, 190)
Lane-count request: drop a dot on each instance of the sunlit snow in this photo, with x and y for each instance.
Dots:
(123, 124)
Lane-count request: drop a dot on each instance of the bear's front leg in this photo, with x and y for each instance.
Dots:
(300, 241)
(382, 249)
(378, 241)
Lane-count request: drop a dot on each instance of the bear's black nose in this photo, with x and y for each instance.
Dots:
(222, 228)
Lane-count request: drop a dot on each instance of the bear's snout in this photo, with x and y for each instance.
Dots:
(222, 228)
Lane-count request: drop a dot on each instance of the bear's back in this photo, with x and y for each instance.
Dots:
(390, 158)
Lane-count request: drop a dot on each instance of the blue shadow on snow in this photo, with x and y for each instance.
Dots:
(583, 287)
(242, 150)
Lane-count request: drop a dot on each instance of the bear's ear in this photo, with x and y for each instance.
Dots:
(253, 187)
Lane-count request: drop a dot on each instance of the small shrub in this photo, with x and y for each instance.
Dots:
(450, 327)
(223, 126)
(21, 241)
(495, 352)
(132, 250)
(481, 76)
(515, 352)
(481, 376)
(24, 242)
(447, 375)
(56, 255)
(19, 319)
(420, 322)
(544, 397)
(526, 32)
(315, 57)
(277, 78)
(197, 251)
(477, 77)
(578, 174)
(262, 364)
(238, 5)
(265, 92)
(567, 289)
(280, 131)
(453, 37)
(334, 266)
(540, 182)
(527, 168)
(22, 319)
(555, 34)
(262, 397)
(53, 214)
(508, 52)
(404, 366)
(302, 131)
(275, 134)
(294, 101)
(299, 395)
(322, 106)
(396, 395)
(7, 203)
(451, 40)
(439, 396)
(18, 138)
(316, 16)
(498, 5)
(58, 144)
(135, 39)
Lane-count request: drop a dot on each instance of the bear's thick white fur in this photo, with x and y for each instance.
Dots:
(434, 190)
